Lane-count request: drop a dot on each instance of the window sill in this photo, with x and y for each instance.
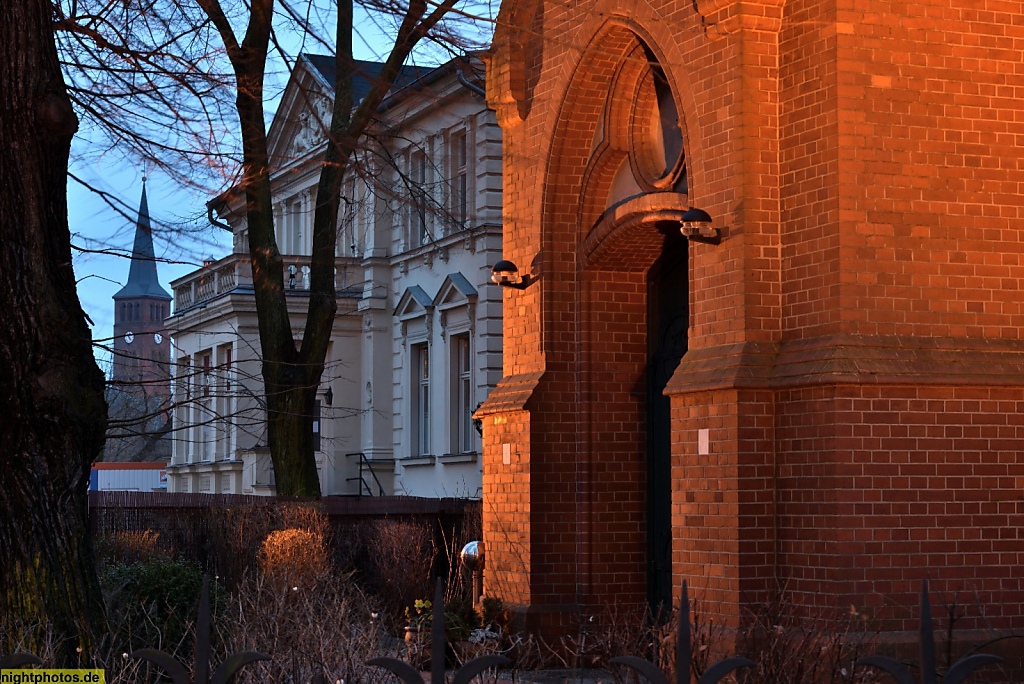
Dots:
(468, 457)
(419, 461)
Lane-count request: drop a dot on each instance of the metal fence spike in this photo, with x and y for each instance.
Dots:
(177, 672)
(202, 657)
(965, 666)
(926, 640)
(645, 668)
(722, 668)
(684, 645)
(684, 650)
(438, 639)
(439, 644)
(466, 673)
(926, 649)
(233, 663)
(401, 669)
(18, 660)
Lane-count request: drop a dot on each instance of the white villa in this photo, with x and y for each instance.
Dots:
(418, 337)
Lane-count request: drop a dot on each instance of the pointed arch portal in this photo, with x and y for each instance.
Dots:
(621, 166)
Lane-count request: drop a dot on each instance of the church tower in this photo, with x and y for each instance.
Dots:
(141, 345)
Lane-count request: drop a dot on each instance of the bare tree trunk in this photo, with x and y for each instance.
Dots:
(291, 394)
(52, 412)
(291, 373)
(289, 382)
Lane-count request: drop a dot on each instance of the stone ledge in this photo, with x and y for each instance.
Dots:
(471, 457)
(418, 461)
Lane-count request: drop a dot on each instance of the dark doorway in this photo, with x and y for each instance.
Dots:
(667, 323)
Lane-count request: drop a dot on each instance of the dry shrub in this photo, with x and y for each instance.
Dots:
(294, 555)
(459, 582)
(130, 546)
(401, 555)
(325, 628)
(237, 533)
(615, 629)
(304, 516)
(790, 648)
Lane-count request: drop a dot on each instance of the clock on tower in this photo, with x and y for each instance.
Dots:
(141, 355)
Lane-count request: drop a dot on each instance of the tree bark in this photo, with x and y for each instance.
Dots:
(52, 411)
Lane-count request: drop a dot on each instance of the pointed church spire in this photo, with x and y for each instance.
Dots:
(142, 278)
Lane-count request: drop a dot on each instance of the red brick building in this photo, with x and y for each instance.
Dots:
(848, 413)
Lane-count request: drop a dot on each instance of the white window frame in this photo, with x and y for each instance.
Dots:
(459, 175)
(419, 233)
(420, 395)
(461, 367)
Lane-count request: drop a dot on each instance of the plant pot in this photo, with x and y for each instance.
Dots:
(416, 648)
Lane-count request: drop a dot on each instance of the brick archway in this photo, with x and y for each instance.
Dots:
(566, 462)
(598, 247)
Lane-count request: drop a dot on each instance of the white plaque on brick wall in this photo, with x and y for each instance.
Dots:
(703, 442)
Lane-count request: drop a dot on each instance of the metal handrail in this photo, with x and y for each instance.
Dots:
(362, 480)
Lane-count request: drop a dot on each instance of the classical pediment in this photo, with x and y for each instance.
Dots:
(415, 302)
(299, 127)
(456, 290)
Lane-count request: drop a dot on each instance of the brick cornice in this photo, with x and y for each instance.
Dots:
(512, 47)
(722, 17)
(511, 394)
(851, 360)
(745, 365)
(894, 360)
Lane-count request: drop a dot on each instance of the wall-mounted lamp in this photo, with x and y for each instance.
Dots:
(506, 274)
(329, 396)
(695, 224)
(291, 276)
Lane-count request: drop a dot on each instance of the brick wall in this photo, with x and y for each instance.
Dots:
(854, 341)
(880, 486)
(929, 113)
(723, 501)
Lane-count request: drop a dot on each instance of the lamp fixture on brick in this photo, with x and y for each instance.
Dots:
(695, 224)
(506, 274)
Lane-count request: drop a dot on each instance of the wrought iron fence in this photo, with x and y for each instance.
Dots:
(409, 674)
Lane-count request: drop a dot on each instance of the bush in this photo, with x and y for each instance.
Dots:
(460, 619)
(152, 604)
(494, 613)
(294, 555)
(789, 647)
(401, 555)
(129, 547)
(323, 628)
